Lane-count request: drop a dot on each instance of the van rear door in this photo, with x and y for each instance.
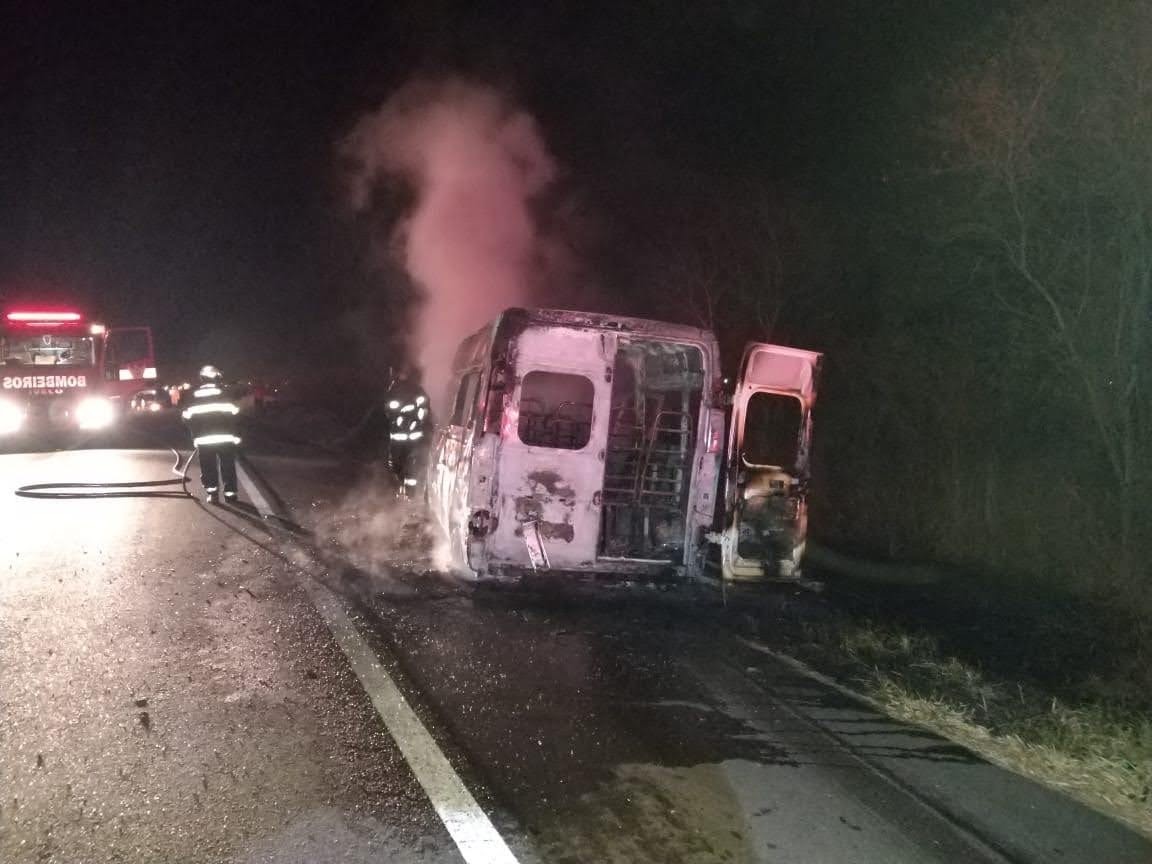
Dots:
(551, 463)
(765, 518)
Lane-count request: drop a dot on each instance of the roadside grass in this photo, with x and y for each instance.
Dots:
(1059, 692)
(1093, 740)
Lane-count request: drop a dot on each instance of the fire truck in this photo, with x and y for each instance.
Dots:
(62, 371)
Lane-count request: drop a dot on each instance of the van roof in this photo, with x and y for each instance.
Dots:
(511, 321)
(616, 323)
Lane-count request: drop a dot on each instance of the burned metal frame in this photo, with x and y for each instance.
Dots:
(608, 462)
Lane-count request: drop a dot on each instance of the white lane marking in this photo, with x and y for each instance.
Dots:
(252, 490)
(476, 837)
(469, 826)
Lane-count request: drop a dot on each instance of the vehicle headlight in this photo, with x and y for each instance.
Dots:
(11, 417)
(95, 413)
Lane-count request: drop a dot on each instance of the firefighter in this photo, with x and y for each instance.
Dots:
(211, 418)
(407, 414)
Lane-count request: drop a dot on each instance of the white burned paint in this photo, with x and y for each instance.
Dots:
(542, 460)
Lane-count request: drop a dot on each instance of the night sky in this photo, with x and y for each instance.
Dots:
(177, 161)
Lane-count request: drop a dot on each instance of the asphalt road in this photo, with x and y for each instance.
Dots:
(169, 694)
(188, 683)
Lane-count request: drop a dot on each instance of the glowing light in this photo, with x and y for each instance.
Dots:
(409, 481)
(149, 371)
(95, 413)
(154, 406)
(399, 436)
(393, 405)
(126, 375)
(58, 317)
(96, 329)
(420, 400)
(407, 408)
(11, 418)
(415, 436)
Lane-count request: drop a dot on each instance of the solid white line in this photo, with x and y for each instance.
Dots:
(252, 490)
(476, 837)
(469, 826)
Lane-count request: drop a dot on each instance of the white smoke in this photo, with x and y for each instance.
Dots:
(471, 243)
(386, 540)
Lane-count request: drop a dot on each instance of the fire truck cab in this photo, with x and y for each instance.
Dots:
(584, 443)
(61, 371)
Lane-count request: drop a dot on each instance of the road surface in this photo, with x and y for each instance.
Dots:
(190, 683)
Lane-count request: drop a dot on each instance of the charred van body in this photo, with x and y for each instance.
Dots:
(578, 442)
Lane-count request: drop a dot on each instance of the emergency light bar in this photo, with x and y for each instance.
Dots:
(57, 317)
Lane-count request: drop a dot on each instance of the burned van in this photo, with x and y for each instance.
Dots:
(577, 442)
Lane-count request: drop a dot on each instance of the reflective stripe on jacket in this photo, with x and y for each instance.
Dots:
(211, 417)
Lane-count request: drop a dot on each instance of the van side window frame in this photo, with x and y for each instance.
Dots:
(464, 405)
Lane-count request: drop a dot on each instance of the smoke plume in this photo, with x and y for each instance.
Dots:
(476, 166)
(388, 544)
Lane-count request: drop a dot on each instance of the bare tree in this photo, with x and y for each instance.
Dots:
(1053, 135)
(725, 259)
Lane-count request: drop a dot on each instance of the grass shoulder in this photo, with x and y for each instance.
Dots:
(1057, 691)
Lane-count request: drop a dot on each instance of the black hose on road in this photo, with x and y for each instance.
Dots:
(138, 489)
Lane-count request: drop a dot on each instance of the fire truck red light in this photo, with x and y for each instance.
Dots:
(44, 316)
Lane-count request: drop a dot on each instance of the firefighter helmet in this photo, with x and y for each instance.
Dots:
(210, 373)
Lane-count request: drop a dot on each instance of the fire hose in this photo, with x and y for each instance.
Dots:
(140, 488)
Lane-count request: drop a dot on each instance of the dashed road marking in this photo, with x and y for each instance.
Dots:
(469, 826)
